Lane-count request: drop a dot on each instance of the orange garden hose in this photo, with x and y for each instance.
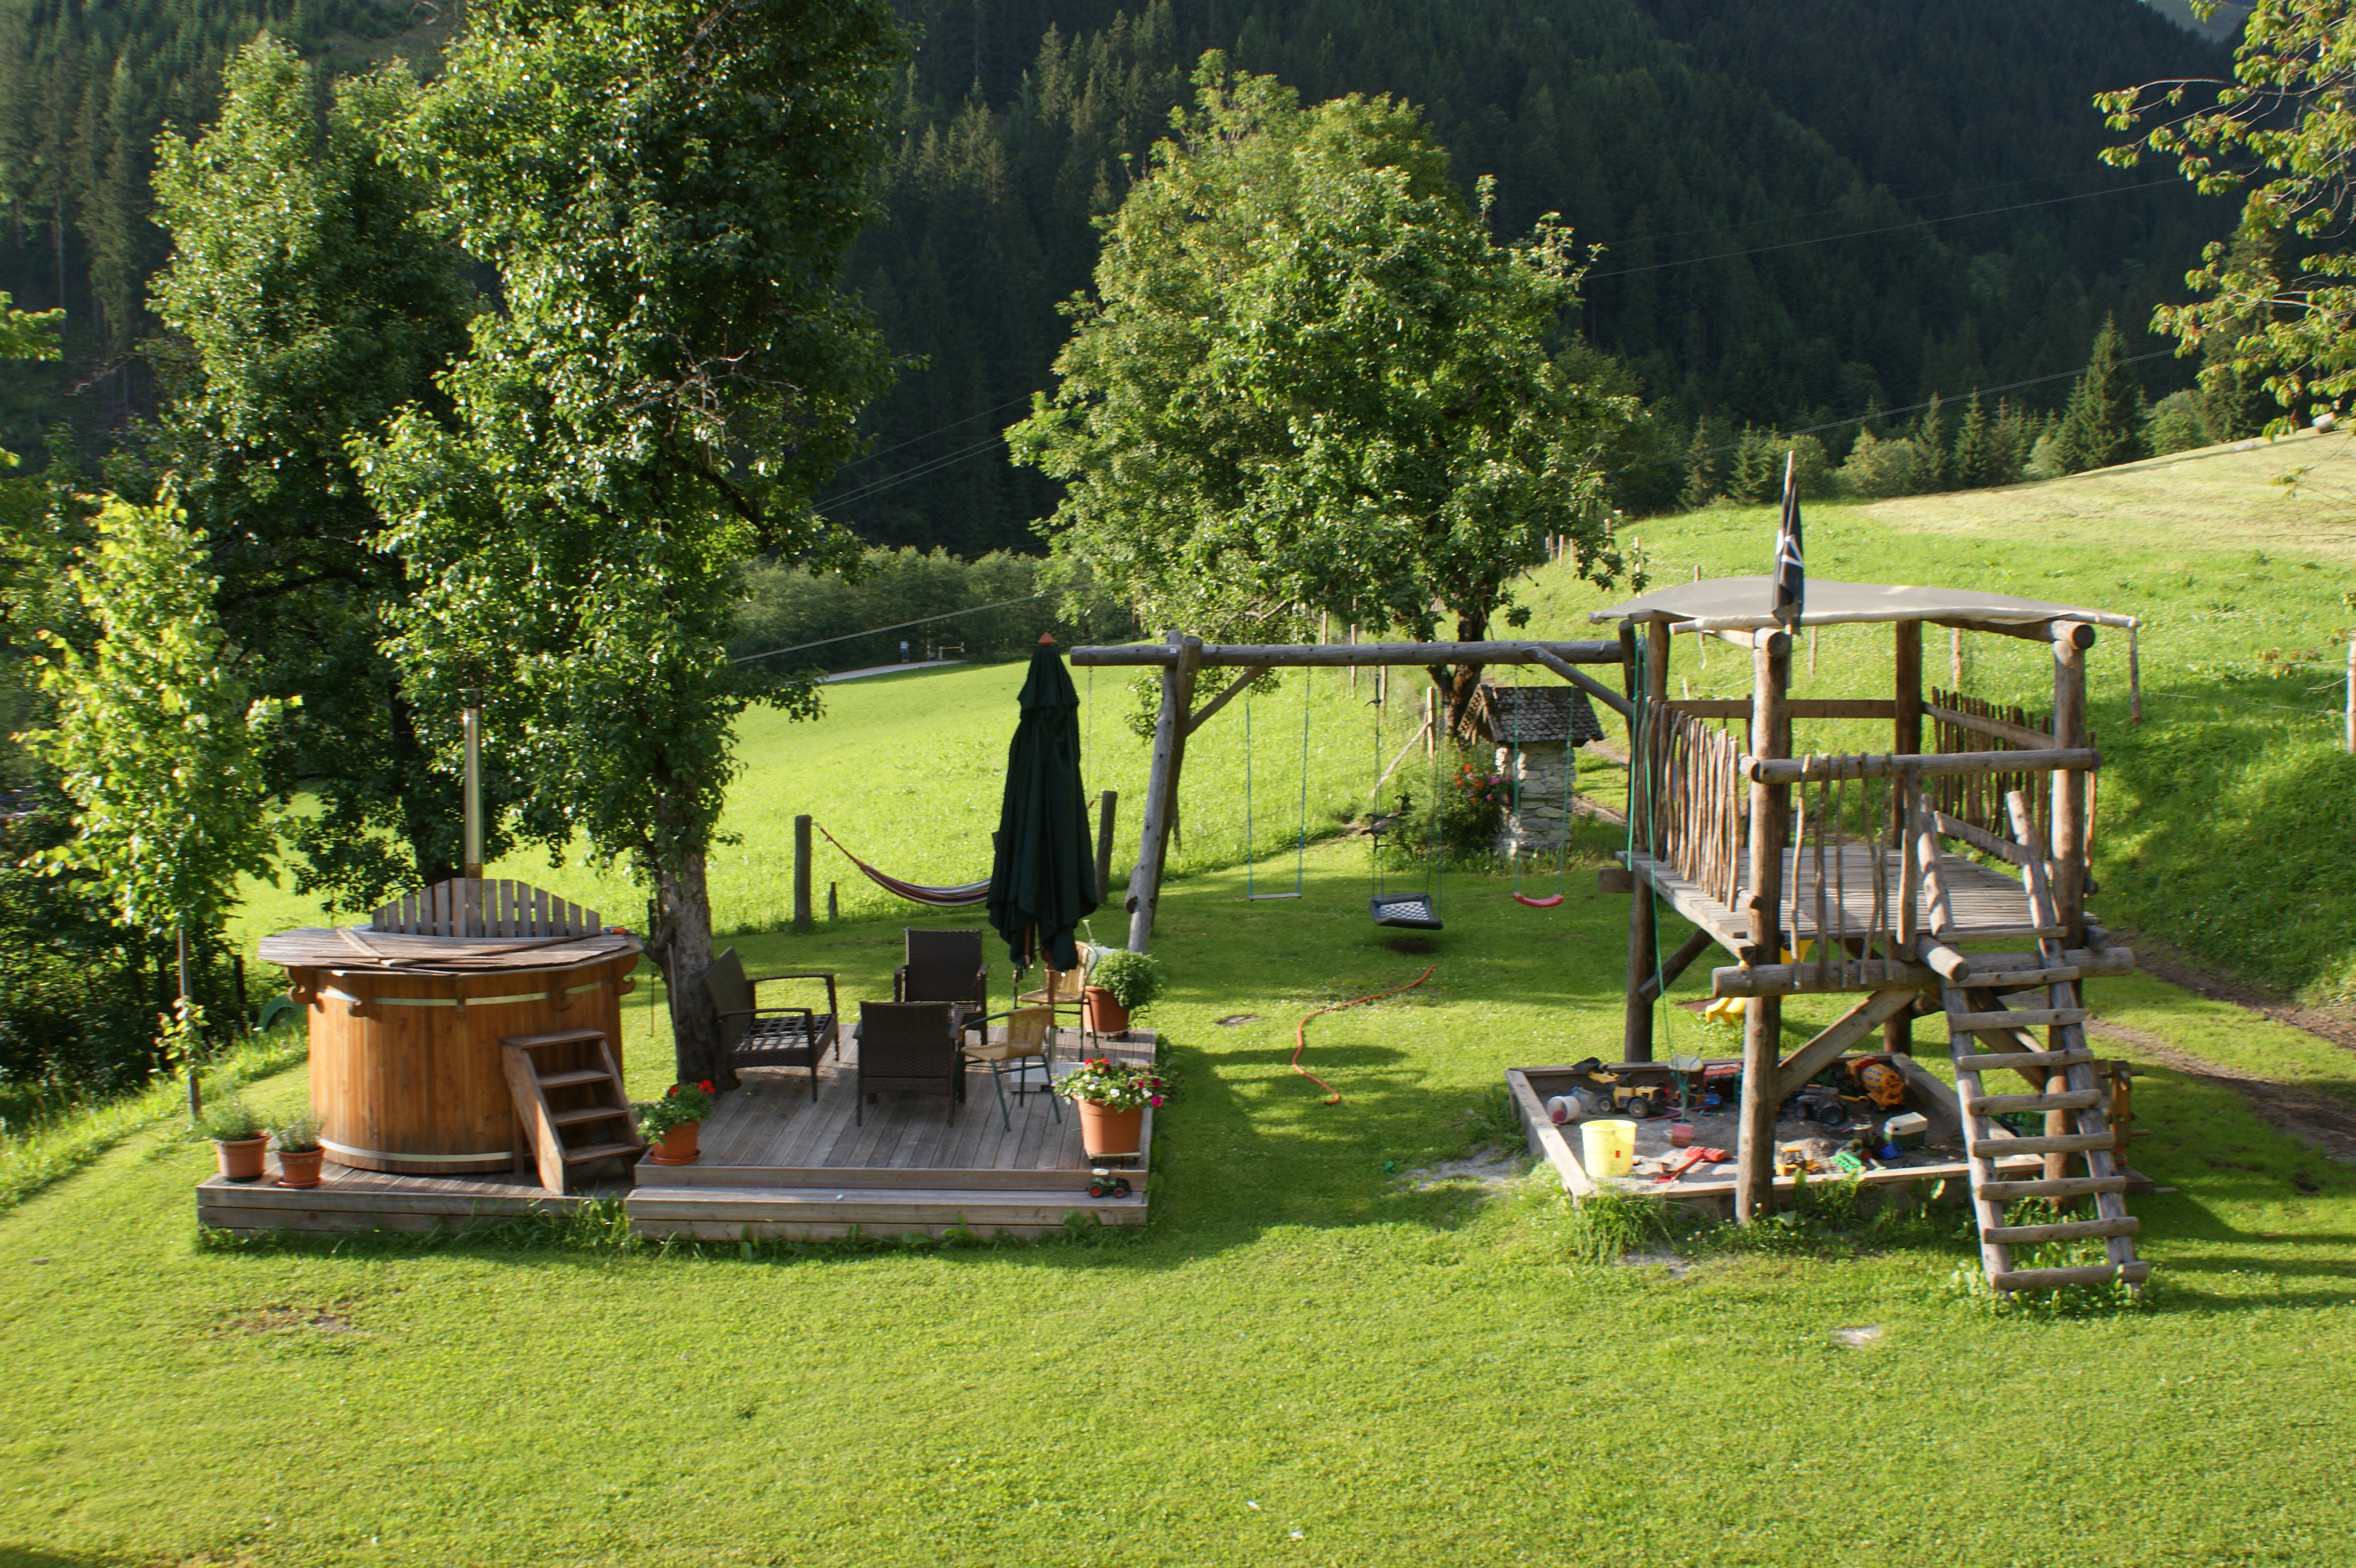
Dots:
(1300, 1033)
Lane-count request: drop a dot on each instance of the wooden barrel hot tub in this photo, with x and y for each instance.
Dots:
(406, 1071)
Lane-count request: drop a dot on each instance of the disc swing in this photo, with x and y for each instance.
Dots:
(1547, 901)
(1300, 846)
(1413, 911)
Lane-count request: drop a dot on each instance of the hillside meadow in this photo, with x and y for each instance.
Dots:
(1335, 1343)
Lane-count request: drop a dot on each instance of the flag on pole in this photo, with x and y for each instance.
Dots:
(1791, 572)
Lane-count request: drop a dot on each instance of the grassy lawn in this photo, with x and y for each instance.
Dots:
(1399, 1376)
(1307, 1357)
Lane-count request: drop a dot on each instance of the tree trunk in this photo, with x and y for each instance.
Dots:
(1458, 683)
(687, 953)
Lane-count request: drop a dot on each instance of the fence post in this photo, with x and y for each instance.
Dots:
(802, 921)
(1105, 803)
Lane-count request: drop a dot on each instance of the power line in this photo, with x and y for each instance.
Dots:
(944, 430)
(899, 626)
(929, 465)
(1885, 229)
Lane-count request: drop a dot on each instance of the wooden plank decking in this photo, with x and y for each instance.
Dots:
(775, 1165)
(1986, 904)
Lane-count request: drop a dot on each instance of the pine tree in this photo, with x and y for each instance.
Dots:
(1936, 471)
(1972, 464)
(2103, 423)
(1704, 466)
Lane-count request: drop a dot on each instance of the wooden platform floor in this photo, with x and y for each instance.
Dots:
(1985, 905)
(775, 1165)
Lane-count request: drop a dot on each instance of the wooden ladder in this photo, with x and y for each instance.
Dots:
(565, 1083)
(2062, 1080)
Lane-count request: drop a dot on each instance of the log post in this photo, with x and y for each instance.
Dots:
(2069, 849)
(803, 924)
(1162, 787)
(1906, 738)
(1644, 919)
(1105, 803)
(1762, 1016)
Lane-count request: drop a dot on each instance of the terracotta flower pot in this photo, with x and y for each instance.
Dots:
(679, 1145)
(1104, 1015)
(1106, 1131)
(241, 1160)
(299, 1168)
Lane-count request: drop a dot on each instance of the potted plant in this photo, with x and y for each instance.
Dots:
(1121, 983)
(299, 1152)
(1111, 1098)
(675, 1122)
(238, 1138)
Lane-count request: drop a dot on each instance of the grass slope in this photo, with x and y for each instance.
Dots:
(1304, 1358)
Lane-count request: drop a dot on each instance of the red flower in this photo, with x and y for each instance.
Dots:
(705, 1086)
(671, 1091)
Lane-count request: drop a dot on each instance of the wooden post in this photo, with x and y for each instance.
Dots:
(1762, 1016)
(196, 1089)
(1162, 787)
(1954, 659)
(833, 907)
(1644, 919)
(802, 921)
(2351, 693)
(2069, 857)
(1104, 841)
(2135, 682)
(1906, 738)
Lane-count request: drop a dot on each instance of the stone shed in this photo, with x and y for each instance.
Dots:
(1535, 729)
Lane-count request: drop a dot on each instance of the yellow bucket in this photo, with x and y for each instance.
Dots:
(1607, 1147)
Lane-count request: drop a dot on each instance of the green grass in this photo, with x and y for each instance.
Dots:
(1431, 1378)
(1416, 1378)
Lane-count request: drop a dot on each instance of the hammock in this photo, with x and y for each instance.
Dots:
(957, 897)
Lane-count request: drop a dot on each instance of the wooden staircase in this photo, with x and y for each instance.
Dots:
(570, 1108)
(2063, 1085)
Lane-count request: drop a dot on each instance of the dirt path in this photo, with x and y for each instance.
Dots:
(2155, 957)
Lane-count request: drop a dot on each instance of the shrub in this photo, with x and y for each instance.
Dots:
(231, 1121)
(1877, 469)
(2179, 423)
(1133, 978)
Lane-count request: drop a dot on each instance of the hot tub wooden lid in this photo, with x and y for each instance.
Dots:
(348, 949)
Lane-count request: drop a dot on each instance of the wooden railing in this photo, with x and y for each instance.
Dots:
(1964, 723)
(1693, 818)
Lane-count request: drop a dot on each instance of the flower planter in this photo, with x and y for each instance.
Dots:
(1104, 1132)
(1102, 1014)
(299, 1168)
(242, 1159)
(678, 1145)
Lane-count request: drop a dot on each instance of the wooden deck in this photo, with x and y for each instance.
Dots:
(775, 1165)
(1985, 905)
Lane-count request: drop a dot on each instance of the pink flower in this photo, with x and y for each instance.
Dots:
(1155, 1101)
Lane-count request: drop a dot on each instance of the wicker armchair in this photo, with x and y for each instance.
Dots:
(1064, 994)
(908, 1046)
(945, 966)
(755, 1036)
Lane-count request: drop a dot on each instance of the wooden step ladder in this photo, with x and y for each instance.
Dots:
(569, 1104)
(2064, 1085)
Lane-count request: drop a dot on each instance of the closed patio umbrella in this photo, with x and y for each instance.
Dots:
(1042, 873)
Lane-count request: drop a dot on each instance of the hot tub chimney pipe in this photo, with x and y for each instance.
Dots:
(474, 725)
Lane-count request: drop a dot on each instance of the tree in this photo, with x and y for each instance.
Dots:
(2103, 423)
(1309, 381)
(2282, 295)
(306, 300)
(665, 189)
(1974, 465)
(156, 739)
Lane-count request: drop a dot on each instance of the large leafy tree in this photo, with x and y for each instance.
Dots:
(2278, 303)
(156, 737)
(1309, 381)
(306, 300)
(665, 189)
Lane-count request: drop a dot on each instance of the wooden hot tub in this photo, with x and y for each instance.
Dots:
(406, 1071)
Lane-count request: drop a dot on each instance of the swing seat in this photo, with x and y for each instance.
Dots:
(1412, 911)
(1548, 902)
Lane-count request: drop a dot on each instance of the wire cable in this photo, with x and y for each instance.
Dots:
(898, 625)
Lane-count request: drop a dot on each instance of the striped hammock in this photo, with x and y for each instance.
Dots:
(957, 897)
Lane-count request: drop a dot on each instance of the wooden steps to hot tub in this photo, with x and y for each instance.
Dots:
(590, 1119)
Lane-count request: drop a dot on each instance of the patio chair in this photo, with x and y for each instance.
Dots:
(755, 1036)
(1030, 1039)
(908, 1046)
(1062, 994)
(945, 966)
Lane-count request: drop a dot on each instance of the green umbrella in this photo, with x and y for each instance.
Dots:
(1042, 877)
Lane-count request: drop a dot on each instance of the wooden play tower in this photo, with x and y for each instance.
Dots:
(1847, 858)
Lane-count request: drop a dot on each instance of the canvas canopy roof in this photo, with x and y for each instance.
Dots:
(1740, 603)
